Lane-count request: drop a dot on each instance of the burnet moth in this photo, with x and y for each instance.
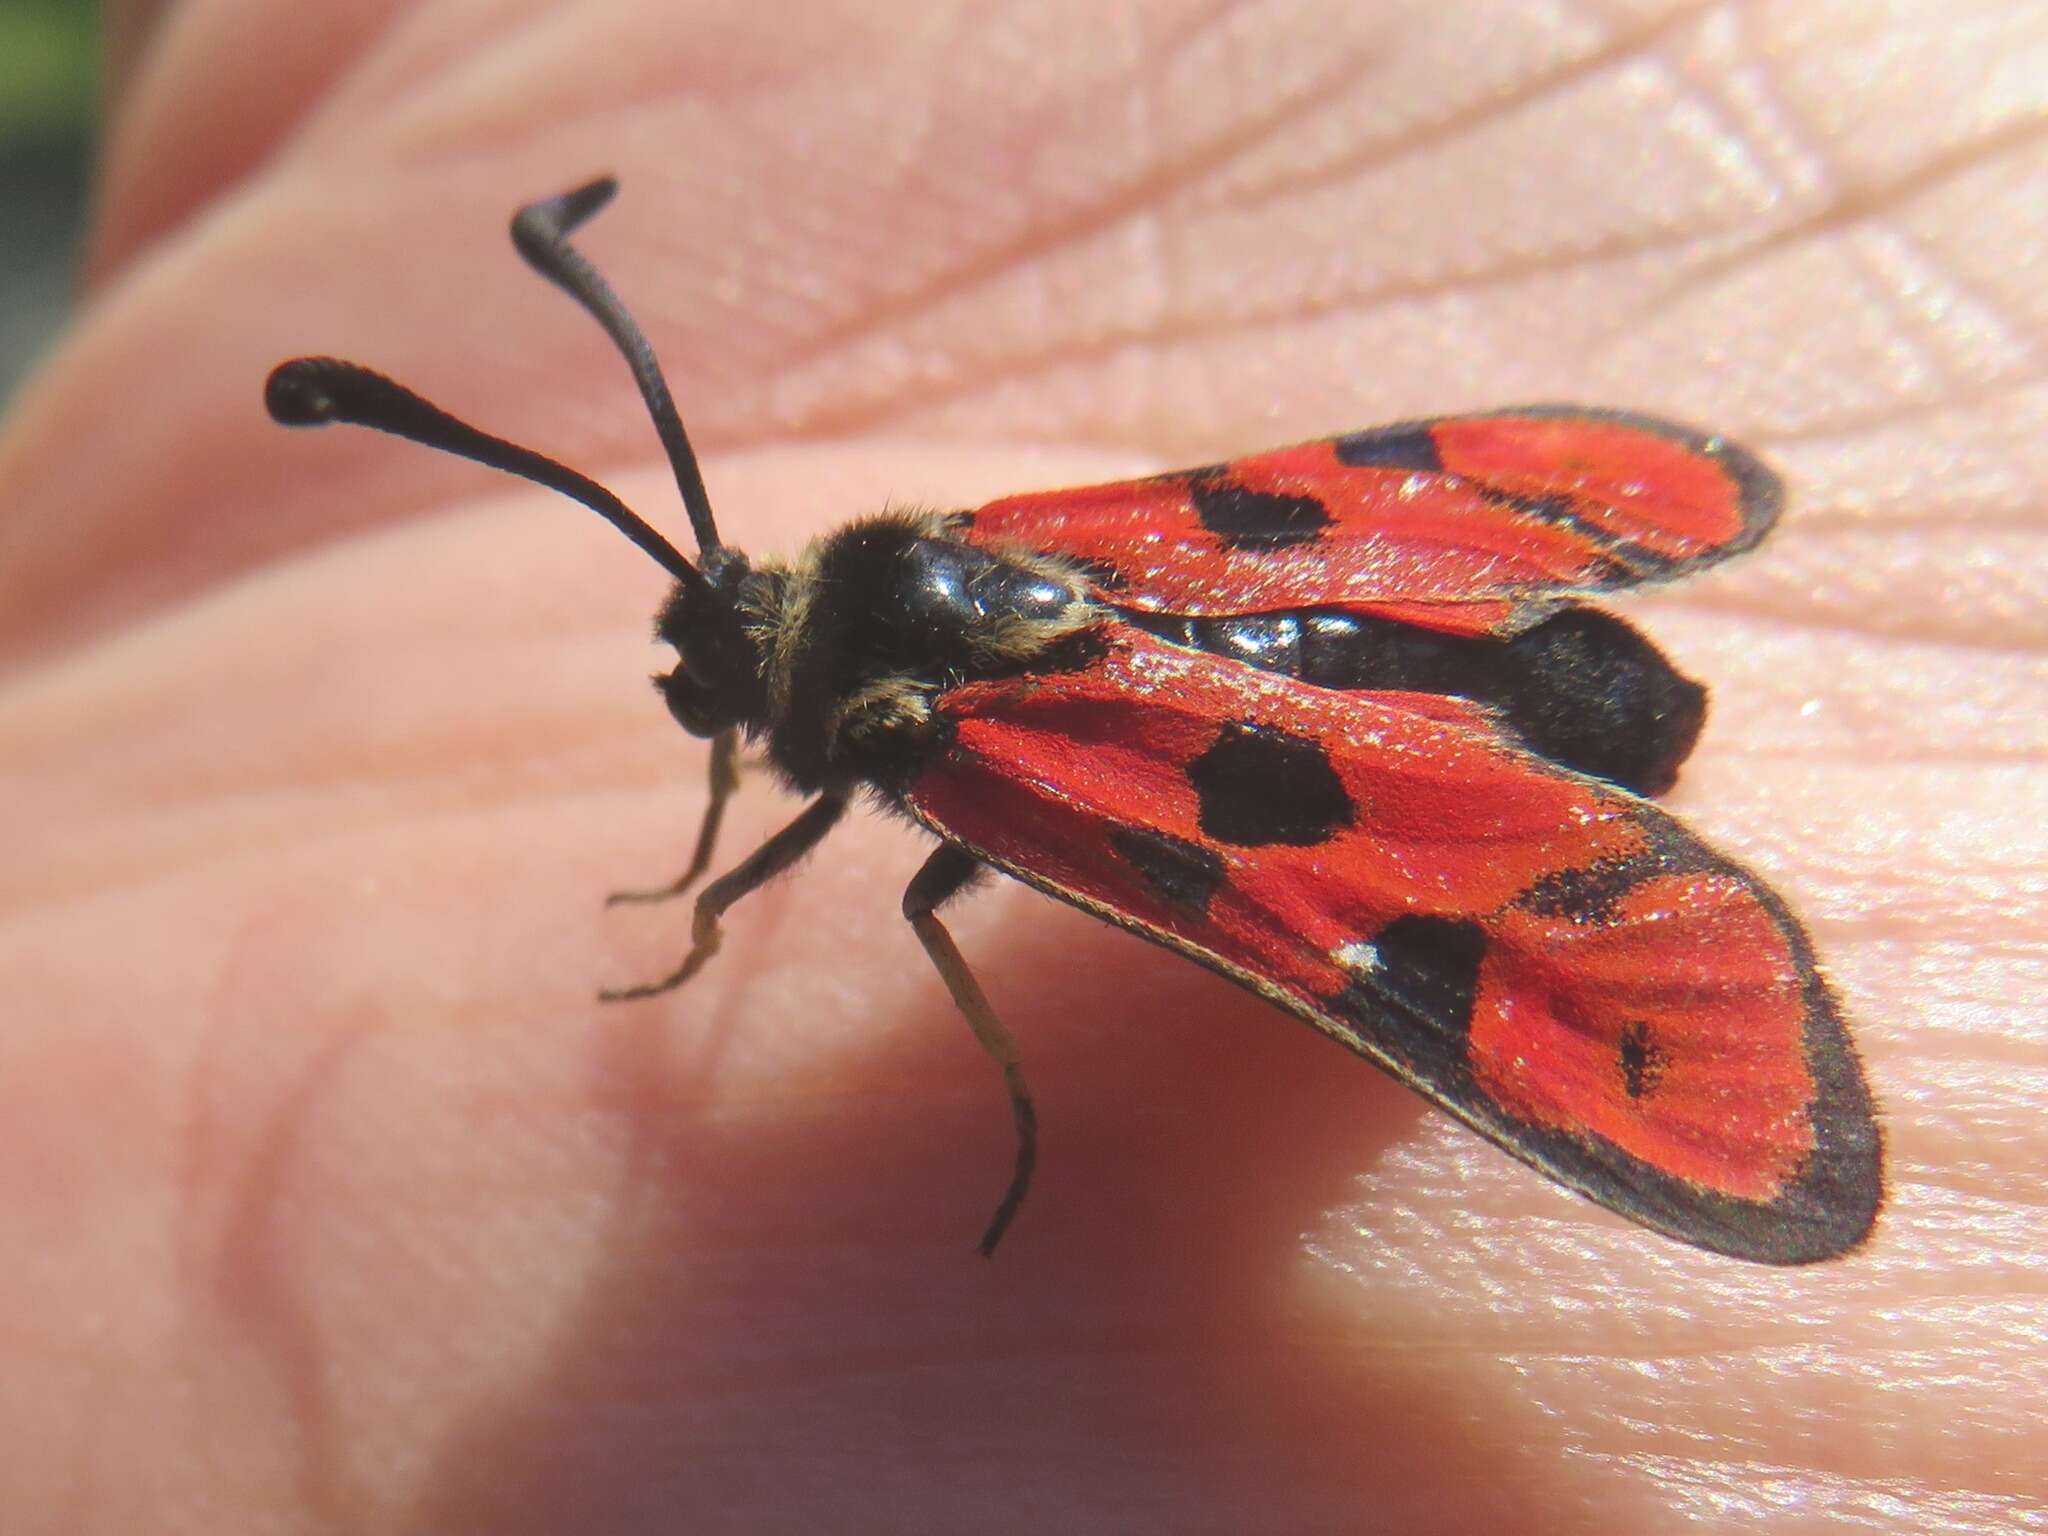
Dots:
(1331, 721)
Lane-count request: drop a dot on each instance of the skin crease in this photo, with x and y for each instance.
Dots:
(332, 1200)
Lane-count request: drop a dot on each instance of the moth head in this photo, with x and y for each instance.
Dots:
(717, 681)
(715, 686)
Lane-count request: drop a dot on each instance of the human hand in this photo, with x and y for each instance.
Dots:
(334, 1199)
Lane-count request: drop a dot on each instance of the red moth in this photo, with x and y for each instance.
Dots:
(1330, 721)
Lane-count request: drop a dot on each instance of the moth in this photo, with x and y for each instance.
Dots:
(1333, 721)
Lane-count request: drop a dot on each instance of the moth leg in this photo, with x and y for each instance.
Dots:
(753, 872)
(947, 873)
(725, 779)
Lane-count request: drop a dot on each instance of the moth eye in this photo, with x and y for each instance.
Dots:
(700, 661)
(713, 657)
(690, 703)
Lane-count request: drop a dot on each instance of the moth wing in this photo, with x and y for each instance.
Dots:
(1553, 960)
(1475, 524)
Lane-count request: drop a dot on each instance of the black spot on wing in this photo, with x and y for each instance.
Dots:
(1618, 563)
(1416, 999)
(1589, 894)
(1257, 520)
(1182, 874)
(1760, 494)
(1642, 1060)
(1407, 446)
(1259, 786)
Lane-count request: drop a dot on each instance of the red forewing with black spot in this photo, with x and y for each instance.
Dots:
(1553, 959)
(1473, 524)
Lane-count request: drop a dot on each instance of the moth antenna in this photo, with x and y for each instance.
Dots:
(313, 391)
(541, 232)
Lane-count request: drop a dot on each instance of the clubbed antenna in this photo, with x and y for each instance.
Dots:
(541, 232)
(313, 391)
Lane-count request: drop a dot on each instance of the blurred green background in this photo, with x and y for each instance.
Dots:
(49, 57)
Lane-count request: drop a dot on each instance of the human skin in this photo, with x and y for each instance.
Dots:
(332, 1200)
